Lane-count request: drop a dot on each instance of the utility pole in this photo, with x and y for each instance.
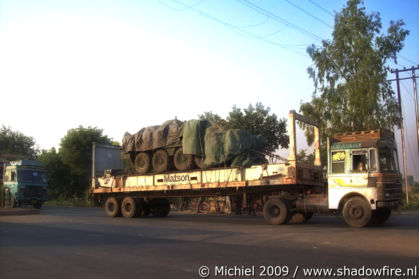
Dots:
(413, 77)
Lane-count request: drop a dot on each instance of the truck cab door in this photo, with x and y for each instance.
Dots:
(359, 167)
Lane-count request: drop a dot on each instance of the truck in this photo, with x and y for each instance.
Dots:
(362, 182)
(24, 182)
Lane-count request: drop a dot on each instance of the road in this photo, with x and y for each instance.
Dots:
(63, 242)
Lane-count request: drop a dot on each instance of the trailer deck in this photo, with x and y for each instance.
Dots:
(255, 177)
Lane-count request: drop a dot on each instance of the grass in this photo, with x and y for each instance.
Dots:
(76, 202)
(413, 198)
(413, 202)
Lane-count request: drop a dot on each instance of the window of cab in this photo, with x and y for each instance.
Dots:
(359, 161)
(338, 161)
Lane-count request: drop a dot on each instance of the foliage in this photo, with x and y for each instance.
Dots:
(15, 145)
(72, 201)
(75, 153)
(413, 198)
(256, 120)
(69, 169)
(350, 72)
(302, 156)
(213, 117)
(58, 175)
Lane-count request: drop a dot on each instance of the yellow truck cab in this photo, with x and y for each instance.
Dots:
(364, 181)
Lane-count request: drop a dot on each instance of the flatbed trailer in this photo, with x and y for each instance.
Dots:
(291, 187)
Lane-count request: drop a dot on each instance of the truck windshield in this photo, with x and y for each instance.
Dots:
(32, 176)
(388, 159)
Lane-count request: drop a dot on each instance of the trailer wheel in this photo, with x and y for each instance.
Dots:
(160, 207)
(276, 211)
(160, 161)
(112, 207)
(128, 207)
(181, 161)
(357, 212)
(142, 162)
(199, 162)
(380, 215)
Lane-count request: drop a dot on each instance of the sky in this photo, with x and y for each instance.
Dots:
(123, 65)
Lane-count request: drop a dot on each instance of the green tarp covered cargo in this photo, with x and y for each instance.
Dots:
(215, 144)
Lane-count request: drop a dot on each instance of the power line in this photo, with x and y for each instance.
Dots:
(237, 30)
(181, 9)
(313, 16)
(407, 90)
(253, 25)
(320, 7)
(407, 59)
(279, 19)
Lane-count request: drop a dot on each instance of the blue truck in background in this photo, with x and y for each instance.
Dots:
(24, 182)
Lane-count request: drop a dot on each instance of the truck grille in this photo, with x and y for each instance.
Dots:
(32, 191)
(389, 191)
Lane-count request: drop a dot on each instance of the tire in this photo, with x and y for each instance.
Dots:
(37, 205)
(160, 207)
(181, 161)
(142, 163)
(276, 211)
(357, 212)
(112, 207)
(160, 161)
(199, 162)
(129, 207)
(380, 215)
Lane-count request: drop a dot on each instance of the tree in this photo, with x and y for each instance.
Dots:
(350, 72)
(256, 120)
(58, 175)
(302, 156)
(76, 152)
(213, 117)
(15, 145)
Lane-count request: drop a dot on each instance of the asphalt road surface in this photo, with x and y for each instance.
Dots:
(80, 243)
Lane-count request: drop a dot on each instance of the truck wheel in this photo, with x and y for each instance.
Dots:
(380, 215)
(181, 161)
(357, 212)
(276, 211)
(160, 161)
(199, 162)
(142, 162)
(37, 205)
(128, 207)
(112, 207)
(160, 207)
